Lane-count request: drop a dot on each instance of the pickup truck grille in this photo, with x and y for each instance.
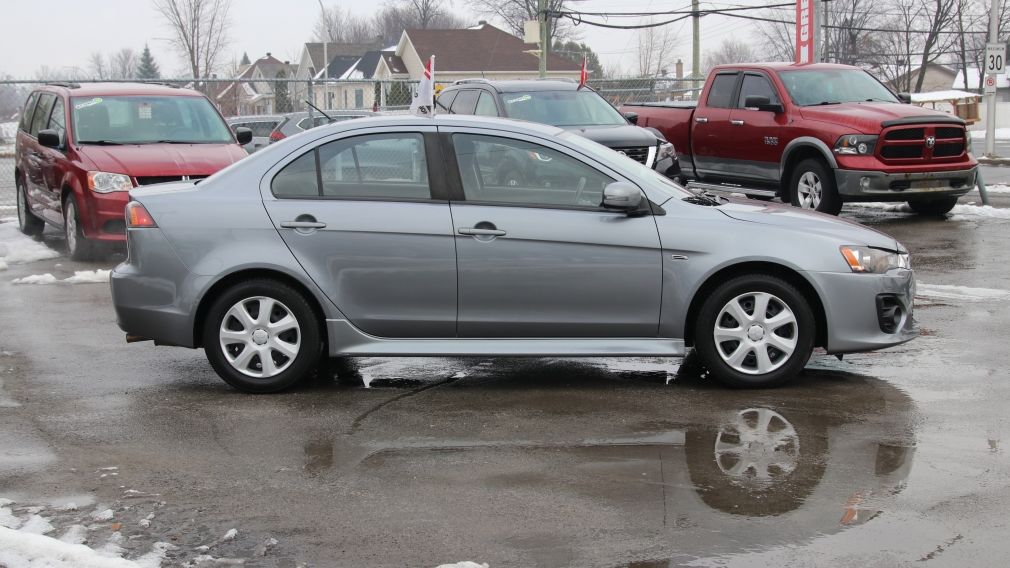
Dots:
(916, 144)
(638, 153)
(151, 180)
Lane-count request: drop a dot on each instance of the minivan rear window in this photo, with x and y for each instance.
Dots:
(147, 120)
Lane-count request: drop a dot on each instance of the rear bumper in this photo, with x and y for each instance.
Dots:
(863, 185)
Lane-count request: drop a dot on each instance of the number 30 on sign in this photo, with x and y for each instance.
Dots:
(995, 57)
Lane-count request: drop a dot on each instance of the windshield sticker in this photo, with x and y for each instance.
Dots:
(519, 99)
(144, 111)
(86, 104)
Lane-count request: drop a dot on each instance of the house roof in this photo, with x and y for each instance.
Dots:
(368, 63)
(334, 49)
(339, 66)
(394, 62)
(481, 48)
(267, 67)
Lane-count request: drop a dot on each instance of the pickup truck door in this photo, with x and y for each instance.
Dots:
(754, 148)
(711, 128)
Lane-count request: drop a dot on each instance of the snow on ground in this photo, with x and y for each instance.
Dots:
(27, 550)
(1001, 134)
(8, 132)
(960, 293)
(464, 564)
(998, 188)
(965, 212)
(98, 276)
(16, 248)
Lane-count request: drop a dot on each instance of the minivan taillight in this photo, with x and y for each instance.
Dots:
(276, 135)
(137, 217)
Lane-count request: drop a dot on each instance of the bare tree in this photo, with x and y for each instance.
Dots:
(339, 26)
(390, 22)
(514, 12)
(123, 64)
(199, 29)
(654, 50)
(939, 16)
(425, 11)
(777, 41)
(894, 61)
(97, 67)
(730, 51)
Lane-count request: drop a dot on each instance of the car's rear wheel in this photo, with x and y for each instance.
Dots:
(813, 187)
(78, 247)
(27, 221)
(261, 336)
(755, 330)
(933, 207)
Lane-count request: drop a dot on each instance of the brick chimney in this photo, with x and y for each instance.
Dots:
(680, 69)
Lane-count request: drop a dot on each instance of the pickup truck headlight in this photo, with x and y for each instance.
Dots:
(666, 150)
(856, 144)
(874, 261)
(105, 182)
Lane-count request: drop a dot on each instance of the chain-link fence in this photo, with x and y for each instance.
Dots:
(254, 97)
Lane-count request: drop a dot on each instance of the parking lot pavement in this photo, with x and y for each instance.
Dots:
(882, 459)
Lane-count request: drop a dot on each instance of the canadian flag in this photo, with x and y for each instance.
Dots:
(584, 75)
(423, 103)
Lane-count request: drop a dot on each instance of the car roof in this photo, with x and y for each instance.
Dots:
(120, 89)
(784, 66)
(254, 117)
(521, 85)
(458, 120)
(333, 112)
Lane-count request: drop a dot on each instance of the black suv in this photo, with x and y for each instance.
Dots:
(563, 104)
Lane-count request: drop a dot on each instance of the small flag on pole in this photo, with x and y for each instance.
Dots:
(584, 76)
(423, 103)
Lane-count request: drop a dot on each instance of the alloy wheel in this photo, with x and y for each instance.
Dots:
(260, 337)
(809, 190)
(755, 333)
(22, 207)
(70, 225)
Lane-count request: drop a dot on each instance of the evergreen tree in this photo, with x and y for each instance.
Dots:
(282, 100)
(245, 59)
(575, 52)
(147, 69)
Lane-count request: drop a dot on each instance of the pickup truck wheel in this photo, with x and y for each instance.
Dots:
(813, 187)
(755, 330)
(933, 207)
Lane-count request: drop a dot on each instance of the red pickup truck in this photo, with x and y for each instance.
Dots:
(815, 135)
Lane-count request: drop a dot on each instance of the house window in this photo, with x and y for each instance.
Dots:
(359, 98)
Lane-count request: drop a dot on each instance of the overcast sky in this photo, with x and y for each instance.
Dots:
(63, 33)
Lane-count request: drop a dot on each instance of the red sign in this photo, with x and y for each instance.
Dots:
(805, 31)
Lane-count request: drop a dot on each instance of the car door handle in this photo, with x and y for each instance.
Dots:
(736, 122)
(481, 232)
(303, 225)
(700, 119)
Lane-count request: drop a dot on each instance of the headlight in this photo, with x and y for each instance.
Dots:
(666, 150)
(856, 144)
(105, 182)
(874, 261)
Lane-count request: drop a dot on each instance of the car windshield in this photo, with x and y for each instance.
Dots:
(562, 108)
(833, 86)
(147, 120)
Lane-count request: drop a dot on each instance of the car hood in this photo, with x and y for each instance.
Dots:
(786, 216)
(616, 136)
(866, 118)
(142, 160)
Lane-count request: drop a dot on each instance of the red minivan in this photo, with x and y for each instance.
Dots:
(81, 148)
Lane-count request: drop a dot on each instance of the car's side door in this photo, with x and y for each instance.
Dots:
(366, 215)
(35, 161)
(537, 255)
(54, 160)
(754, 148)
(712, 127)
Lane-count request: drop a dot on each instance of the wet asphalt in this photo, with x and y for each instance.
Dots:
(894, 458)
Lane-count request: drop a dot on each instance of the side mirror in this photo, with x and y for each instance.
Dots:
(632, 117)
(763, 104)
(905, 98)
(49, 138)
(622, 196)
(243, 135)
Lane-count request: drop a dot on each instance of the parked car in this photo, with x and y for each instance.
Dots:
(295, 122)
(563, 104)
(816, 136)
(393, 236)
(261, 127)
(81, 148)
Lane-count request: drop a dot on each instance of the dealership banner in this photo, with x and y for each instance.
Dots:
(805, 31)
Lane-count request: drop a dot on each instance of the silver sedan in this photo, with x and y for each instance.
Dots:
(458, 236)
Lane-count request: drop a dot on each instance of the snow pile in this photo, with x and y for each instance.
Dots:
(958, 293)
(8, 132)
(27, 550)
(98, 276)
(464, 564)
(975, 212)
(899, 207)
(16, 248)
(998, 188)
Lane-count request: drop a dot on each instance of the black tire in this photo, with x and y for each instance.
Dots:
(307, 334)
(78, 247)
(27, 221)
(933, 207)
(830, 202)
(784, 296)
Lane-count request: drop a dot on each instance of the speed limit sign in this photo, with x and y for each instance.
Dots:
(995, 57)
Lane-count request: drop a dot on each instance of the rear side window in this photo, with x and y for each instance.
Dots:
(374, 166)
(721, 93)
(26, 117)
(444, 101)
(756, 85)
(42, 110)
(485, 105)
(465, 102)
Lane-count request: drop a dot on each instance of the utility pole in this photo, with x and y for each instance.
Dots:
(826, 34)
(695, 46)
(818, 29)
(990, 105)
(544, 35)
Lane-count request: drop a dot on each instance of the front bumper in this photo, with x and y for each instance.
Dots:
(669, 167)
(883, 186)
(104, 216)
(852, 307)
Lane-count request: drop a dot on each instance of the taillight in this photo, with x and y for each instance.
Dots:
(137, 216)
(276, 135)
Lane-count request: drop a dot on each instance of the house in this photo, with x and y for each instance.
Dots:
(974, 77)
(256, 92)
(312, 66)
(936, 77)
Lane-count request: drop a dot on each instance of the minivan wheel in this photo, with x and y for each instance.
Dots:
(813, 187)
(78, 247)
(261, 336)
(27, 221)
(933, 207)
(755, 330)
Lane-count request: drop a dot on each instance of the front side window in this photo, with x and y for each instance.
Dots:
(485, 105)
(374, 166)
(444, 101)
(562, 108)
(464, 102)
(720, 95)
(756, 85)
(147, 120)
(42, 110)
(26, 117)
(57, 120)
(504, 170)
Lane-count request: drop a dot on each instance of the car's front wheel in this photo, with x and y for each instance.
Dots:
(755, 330)
(27, 221)
(933, 207)
(78, 247)
(261, 336)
